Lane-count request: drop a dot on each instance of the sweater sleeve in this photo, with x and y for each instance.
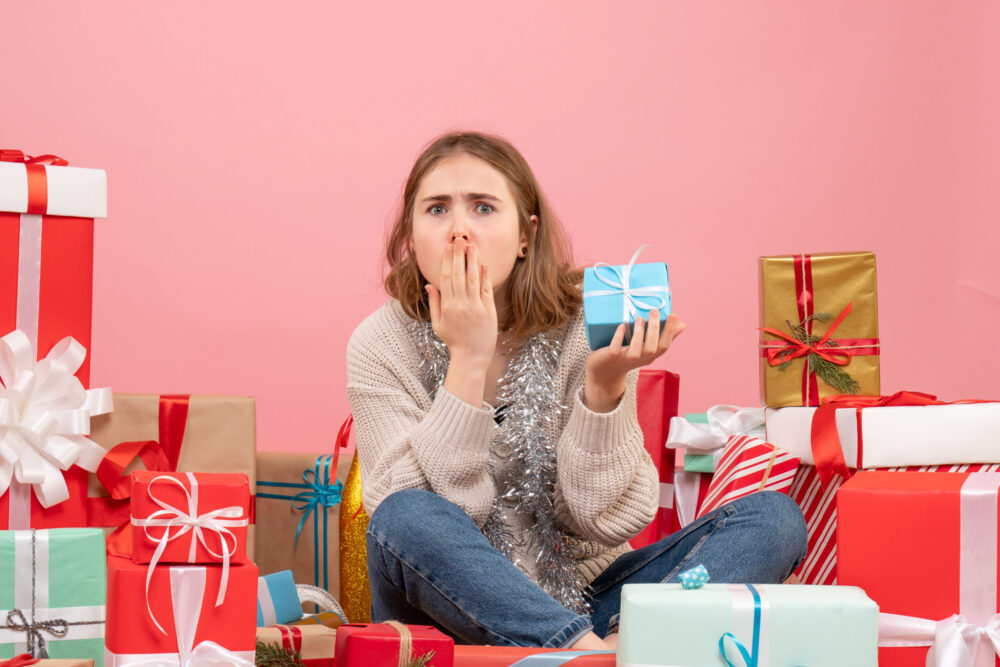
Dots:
(608, 486)
(443, 447)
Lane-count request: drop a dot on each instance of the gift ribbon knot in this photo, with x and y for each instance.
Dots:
(319, 494)
(794, 348)
(620, 283)
(216, 521)
(57, 627)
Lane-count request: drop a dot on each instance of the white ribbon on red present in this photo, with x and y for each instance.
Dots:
(970, 638)
(44, 422)
(187, 591)
(217, 521)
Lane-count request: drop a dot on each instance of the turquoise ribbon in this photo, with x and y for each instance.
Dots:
(554, 659)
(749, 657)
(318, 492)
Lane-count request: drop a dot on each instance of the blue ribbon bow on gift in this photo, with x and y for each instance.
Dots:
(319, 492)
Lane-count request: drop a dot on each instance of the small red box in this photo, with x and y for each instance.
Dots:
(185, 592)
(900, 537)
(163, 497)
(377, 645)
(503, 656)
(656, 403)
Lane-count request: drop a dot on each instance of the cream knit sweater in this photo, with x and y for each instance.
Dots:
(607, 486)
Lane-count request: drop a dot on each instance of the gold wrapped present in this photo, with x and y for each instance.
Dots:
(819, 327)
(169, 432)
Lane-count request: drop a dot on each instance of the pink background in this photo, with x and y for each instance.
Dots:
(255, 152)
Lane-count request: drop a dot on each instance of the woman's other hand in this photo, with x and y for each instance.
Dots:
(608, 366)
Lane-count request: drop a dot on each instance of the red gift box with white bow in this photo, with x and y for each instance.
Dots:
(187, 517)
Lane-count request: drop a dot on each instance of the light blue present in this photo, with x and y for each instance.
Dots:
(744, 625)
(277, 599)
(615, 295)
(53, 585)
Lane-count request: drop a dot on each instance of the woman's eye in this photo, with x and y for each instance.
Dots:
(484, 209)
(437, 209)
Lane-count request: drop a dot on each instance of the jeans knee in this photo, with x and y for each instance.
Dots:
(780, 520)
(404, 516)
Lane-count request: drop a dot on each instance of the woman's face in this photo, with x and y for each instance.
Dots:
(464, 197)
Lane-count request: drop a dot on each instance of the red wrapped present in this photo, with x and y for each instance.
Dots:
(656, 403)
(381, 644)
(508, 656)
(190, 517)
(180, 613)
(748, 465)
(924, 547)
(315, 644)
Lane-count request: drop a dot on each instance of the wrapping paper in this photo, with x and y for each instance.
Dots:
(330, 619)
(749, 465)
(615, 295)
(164, 504)
(881, 437)
(315, 644)
(68, 662)
(796, 287)
(355, 593)
(63, 572)
(280, 518)
(467, 655)
(183, 601)
(924, 546)
(378, 645)
(779, 626)
(656, 405)
(277, 599)
(169, 433)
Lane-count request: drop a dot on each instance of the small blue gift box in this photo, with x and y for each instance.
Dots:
(614, 295)
(277, 599)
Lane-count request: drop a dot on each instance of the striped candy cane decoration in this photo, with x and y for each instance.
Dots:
(748, 465)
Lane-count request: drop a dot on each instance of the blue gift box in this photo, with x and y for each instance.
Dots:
(277, 599)
(614, 295)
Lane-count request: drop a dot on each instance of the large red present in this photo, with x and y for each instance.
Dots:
(924, 547)
(748, 465)
(380, 645)
(507, 656)
(47, 212)
(656, 403)
(180, 612)
(190, 517)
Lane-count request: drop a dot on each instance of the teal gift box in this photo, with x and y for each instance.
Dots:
(767, 625)
(698, 462)
(51, 581)
(614, 295)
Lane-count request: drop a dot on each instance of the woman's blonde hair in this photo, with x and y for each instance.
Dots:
(543, 288)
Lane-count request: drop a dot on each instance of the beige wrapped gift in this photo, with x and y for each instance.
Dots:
(311, 561)
(189, 434)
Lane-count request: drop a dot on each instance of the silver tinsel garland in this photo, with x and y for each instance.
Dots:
(523, 459)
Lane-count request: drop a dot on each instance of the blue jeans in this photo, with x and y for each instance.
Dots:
(429, 564)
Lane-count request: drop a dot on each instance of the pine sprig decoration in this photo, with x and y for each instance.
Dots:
(421, 660)
(272, 655)
(827, 371)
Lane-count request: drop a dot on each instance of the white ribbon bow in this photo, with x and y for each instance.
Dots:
(724, 421)
(954, 641)
(187, 590)
(621, 284)
(216, 521)
(45, 417)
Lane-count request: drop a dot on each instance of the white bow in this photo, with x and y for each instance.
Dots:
(45, 416)
(724, 421)
(216, 521)
(954, 641)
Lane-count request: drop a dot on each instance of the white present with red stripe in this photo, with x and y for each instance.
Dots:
(818, 502)
(748, 465)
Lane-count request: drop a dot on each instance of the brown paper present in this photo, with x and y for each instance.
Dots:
(819, 327)
(61, 662)
(314, 643)
(311, 561)
(188, 434)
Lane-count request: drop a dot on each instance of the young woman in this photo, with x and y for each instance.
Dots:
(501, 460)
